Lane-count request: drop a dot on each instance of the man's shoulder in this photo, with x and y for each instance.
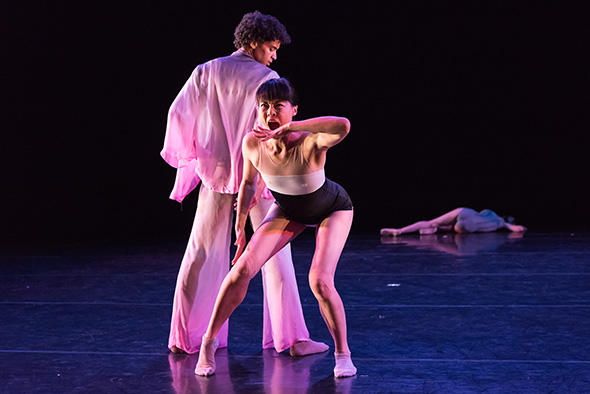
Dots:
(235, 60)
(236, 68)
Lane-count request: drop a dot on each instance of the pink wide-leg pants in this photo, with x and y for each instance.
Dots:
(205, 264)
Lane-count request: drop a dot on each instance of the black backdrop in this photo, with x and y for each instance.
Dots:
(469, 104)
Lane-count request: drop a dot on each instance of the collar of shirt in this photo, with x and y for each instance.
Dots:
(242, 52)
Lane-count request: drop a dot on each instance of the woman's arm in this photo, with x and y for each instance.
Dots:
(245, 196)
(328, 130)
(514, 227)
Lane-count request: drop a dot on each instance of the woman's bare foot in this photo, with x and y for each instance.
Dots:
(305, 348)
(390, 231)
(206, 363)
(177, 350)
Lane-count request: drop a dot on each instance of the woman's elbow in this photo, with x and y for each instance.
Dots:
(344, 125)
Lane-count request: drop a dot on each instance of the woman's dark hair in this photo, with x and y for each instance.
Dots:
(258, 27)
(277, 89)
(509, 219)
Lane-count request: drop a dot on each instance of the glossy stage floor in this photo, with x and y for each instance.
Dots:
(497, 313)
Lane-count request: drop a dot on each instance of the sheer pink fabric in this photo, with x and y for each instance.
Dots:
(204, 143)
(204, 266)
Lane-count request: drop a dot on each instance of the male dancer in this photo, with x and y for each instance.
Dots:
(206, 124)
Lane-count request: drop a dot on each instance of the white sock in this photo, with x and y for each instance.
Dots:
(206, 363)
(344, 366)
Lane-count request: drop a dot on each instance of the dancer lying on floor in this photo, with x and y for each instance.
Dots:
(461, 220)
(290, 156)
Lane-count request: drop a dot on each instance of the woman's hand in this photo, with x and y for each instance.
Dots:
(265, 134)
(240, 243)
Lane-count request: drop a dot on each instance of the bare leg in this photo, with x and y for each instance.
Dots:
(272, 235)
(330, 239)
(283, 322)
(444, 220)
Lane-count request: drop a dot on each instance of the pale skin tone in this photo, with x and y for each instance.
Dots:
(445, 222)
(279, 134)
(264, 53)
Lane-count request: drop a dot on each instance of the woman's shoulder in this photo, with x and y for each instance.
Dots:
(250, 141)
(250, 144)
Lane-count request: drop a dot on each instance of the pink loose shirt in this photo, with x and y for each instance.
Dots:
(208, 120)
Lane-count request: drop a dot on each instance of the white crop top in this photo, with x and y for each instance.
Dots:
(295, 185)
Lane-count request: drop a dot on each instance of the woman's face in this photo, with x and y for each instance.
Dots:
(273, 114)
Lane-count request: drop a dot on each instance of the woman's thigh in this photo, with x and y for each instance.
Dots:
(272, 235)
(331, 237)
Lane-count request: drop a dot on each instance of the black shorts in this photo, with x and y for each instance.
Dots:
(314, 207)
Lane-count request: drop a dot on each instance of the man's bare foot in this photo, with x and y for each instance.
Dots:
(305, 348)
(177, 350)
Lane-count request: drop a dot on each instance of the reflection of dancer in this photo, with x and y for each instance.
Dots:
(290, 157)
(206, 124)
(457, 244)
(461, 220)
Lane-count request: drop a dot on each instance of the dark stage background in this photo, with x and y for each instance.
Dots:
(471, 104)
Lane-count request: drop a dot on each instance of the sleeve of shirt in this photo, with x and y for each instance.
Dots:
(179, 143)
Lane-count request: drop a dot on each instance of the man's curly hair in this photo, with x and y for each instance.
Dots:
(258, 27)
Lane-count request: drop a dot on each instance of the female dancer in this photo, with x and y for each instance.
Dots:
(461, 220)
(290, 157)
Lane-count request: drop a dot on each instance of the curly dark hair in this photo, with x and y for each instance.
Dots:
(258, 27)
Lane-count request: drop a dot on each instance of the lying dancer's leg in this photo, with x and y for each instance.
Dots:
(273, 234)
(203, 267)
(283, 325)
(330, 239)
(426, 226)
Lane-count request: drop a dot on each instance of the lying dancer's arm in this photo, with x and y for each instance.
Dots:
(245, 198)
(514, 227)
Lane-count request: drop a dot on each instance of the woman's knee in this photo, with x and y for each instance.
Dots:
(322, 286)
(242, 270)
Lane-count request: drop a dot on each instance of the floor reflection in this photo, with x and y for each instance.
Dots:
(184, 380)
(283, 372)
(454, 243)
(272, 373)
